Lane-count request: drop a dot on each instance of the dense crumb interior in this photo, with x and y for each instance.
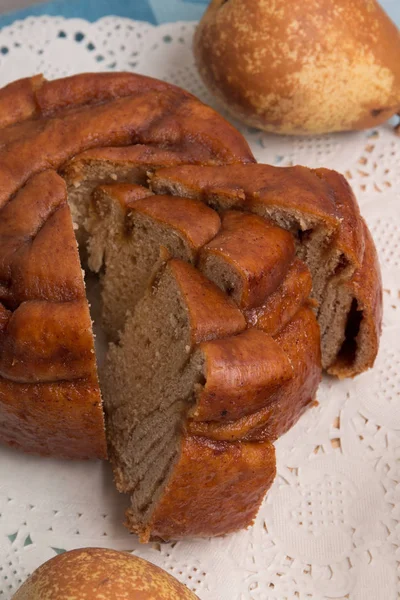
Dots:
(225, 277)
(148, 385)
(128, 250)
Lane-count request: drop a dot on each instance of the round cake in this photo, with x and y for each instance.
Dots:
(226, 287)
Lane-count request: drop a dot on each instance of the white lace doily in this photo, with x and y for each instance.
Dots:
(330, 526)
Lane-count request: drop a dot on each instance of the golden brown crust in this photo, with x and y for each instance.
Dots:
(99, 573)
(299, 342)
(87, 89)
(24, 216)
(253, 187)
(148, 156)
(257, 252)
(246, 428)
(281, 306)
(56, 140)
(123, 193)
(39, 257)
(18, 100)
(212, 315)
(63, 419)
(208, 474)
(50, 399)
(192, 220)
(241, 373)
(35, 271)
(292, 69)
(47, 341)
(350, 235)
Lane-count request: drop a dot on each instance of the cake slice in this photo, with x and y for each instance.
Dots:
(177, 362)
(131, 233)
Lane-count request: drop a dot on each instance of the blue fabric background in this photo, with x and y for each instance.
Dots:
(155, 11)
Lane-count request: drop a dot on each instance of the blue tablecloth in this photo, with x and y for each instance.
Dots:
(154, 11)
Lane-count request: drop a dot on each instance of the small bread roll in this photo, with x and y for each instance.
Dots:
(96, 574)
(301, 67)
